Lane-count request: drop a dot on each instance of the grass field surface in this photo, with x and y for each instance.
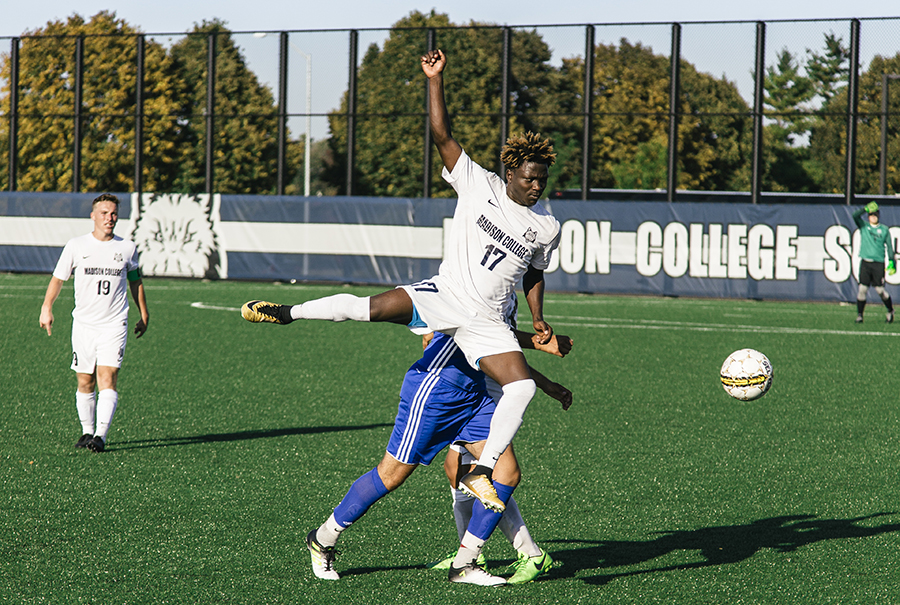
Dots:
(233, 440)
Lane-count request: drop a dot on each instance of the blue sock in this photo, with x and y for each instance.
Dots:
(365, 491)
(484, 521)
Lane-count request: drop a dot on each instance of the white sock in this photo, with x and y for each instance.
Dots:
(469, 550)
(513, 527)
(86, 404)
(507, 419)
(107, 400)
(328, 532)
(339, 307)
(462, 511)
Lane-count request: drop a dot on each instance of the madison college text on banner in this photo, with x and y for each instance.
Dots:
(779, 251)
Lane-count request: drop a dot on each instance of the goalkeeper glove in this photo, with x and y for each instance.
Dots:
(871, 207)
(891, 269)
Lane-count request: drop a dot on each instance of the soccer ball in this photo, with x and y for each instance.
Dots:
(746, 375)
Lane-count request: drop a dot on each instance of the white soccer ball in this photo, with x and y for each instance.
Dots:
(746, 375)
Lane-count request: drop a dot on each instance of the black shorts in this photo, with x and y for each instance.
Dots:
(870, 273)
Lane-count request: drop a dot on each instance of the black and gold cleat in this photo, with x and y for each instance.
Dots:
(259, 311)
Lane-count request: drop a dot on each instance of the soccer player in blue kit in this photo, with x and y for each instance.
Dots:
(443, 400)
(500, 235)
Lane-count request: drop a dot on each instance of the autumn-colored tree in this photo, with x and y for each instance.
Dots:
(46, 108)
(391, 100)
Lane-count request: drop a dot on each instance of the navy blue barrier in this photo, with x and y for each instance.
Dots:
(726, 250)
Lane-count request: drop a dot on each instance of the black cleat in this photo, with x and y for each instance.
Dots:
(84, 440)
(96, 444)
(258, 311)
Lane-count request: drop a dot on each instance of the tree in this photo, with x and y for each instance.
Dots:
(830, 70)
(391, 101)
(47, 99)
(245, 131)
(631, 122)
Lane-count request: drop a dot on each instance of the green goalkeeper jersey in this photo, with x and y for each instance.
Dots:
(874, 239)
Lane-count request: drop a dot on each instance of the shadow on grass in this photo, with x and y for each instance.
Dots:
(240, 436)
(716, 545)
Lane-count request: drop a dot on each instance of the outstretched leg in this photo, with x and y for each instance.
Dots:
(393, 306)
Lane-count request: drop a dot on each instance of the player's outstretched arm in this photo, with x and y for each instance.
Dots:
(558, 345)
(552, 389)
(433, 64)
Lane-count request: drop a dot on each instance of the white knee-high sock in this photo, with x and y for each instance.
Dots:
(107, 401)
(506, 420)
(339, 307)
(513, 527)
(86, 404)
(462, 511)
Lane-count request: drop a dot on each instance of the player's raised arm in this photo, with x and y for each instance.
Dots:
(433, 64)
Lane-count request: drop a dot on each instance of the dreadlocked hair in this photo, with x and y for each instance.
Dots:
(527, 147)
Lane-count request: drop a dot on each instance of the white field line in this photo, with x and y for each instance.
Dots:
(651, 324)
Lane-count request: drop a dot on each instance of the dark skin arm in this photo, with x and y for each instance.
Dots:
(433, 64)
(533, 285)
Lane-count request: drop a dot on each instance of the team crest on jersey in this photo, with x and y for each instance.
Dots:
(530, 235)
(178, 235)
(117, 257)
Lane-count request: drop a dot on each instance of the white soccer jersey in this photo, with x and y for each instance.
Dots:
(100, 269)
(493, 239)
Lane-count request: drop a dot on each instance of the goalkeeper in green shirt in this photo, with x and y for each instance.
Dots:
(875, 241)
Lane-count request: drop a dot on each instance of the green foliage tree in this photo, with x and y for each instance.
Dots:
(828, 142)
(391, 99)
(46, 108)
(829, 70)
(631, 122)
(245, 127)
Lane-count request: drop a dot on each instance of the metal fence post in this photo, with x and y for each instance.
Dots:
(885, 109)
(139, 119)
(282, 111)
(505, 69)
(674, 110)
(587, 124)
(852, 111)
(210, 110)
(426, 160)
(13, 112)
(759, 96)
(351, 110)
(77, 135)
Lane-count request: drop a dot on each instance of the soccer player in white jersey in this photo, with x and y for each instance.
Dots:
(500, 235)
(102, 263)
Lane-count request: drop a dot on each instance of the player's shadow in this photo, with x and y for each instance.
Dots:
(715, 545)
(240, 436)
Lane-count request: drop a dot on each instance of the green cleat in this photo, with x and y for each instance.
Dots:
(528, 568)
(259, 311)
(446, 563)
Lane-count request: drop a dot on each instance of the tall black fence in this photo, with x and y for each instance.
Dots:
(740, 51)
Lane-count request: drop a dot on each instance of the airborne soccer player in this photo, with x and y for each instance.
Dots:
(875, 244)
(500, 235)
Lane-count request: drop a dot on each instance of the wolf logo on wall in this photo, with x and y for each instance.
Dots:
(178, 235)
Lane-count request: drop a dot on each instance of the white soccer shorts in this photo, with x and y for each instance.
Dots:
(92, 346)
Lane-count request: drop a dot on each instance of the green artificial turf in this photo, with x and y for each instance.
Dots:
(233, 440)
